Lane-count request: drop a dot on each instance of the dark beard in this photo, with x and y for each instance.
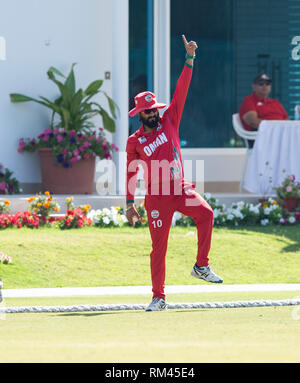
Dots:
(153, 123)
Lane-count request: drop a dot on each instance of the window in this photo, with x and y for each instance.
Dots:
(140, 52)
(206, 120)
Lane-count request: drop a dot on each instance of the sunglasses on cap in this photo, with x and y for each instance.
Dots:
(264, 82)
(148, 111)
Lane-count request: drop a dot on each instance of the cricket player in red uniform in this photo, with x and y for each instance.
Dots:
(156, 146)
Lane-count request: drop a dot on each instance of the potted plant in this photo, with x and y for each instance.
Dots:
(289, 193)
(68, 148)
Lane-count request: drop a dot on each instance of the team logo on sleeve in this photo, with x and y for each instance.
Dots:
(154, 214)
(142, 139)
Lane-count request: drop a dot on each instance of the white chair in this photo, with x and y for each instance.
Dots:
(246, 135)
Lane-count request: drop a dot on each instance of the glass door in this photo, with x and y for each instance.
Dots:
(140, 52)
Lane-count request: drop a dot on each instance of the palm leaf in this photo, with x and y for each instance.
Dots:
(56, 71)
(93, 88)
(70, 81)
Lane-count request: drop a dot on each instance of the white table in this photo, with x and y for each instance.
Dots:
(278, 144)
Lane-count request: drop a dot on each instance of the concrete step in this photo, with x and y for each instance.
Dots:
(20, 202)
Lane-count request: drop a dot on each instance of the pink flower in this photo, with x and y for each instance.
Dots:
(2, 186)
(107, 156)
(64, 152)
(72, 133)
(289, 189)
(48, 131)
(86, 156)
(45, 138)
(21, 143)
(76, 152)
(86, 144)
(292, 178)
(82, 148)
(59, 138)
(115, 147)
(73, 160)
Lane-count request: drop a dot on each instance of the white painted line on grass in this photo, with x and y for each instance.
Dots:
(143, 290)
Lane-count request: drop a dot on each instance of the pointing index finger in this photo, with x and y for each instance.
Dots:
(184, 40)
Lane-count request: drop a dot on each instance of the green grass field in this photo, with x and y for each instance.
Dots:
(116, 257)
(267, 334)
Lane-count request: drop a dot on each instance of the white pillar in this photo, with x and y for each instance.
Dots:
(162, 50)
(120, 75)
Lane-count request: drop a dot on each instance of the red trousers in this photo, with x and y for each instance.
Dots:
(160, 210)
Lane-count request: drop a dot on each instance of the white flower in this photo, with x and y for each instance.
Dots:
(207, 196)
(216, 213)
(267, 210)
(106, 220)
(230, 217)
(264, 222)
(123, 218)
(254, 209)
(106, 211)
(291, 219)
(237, 213)
(176, 217)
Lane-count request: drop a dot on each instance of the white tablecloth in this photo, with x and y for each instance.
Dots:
(278, 144)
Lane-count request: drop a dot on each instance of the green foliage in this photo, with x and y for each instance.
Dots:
(74, 108)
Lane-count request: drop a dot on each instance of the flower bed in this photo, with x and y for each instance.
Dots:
(42, 211)
(239, 214)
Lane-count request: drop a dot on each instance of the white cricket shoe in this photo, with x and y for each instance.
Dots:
(205, 273)
(157, 304)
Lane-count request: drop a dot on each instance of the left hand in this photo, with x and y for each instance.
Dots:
(190, 47)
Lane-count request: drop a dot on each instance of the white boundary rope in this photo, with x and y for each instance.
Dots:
(123, 307)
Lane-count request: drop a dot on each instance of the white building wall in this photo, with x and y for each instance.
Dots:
(43, 33)
(40, 34)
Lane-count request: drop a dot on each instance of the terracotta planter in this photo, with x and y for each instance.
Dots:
(290, 203)
(79, 179)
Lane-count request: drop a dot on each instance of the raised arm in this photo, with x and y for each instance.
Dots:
(176, 107)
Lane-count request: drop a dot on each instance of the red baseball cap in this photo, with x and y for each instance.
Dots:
(145, 100)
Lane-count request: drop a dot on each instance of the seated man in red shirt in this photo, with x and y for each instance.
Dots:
(259, 106)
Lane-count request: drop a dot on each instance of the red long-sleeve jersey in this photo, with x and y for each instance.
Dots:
(159, 151)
